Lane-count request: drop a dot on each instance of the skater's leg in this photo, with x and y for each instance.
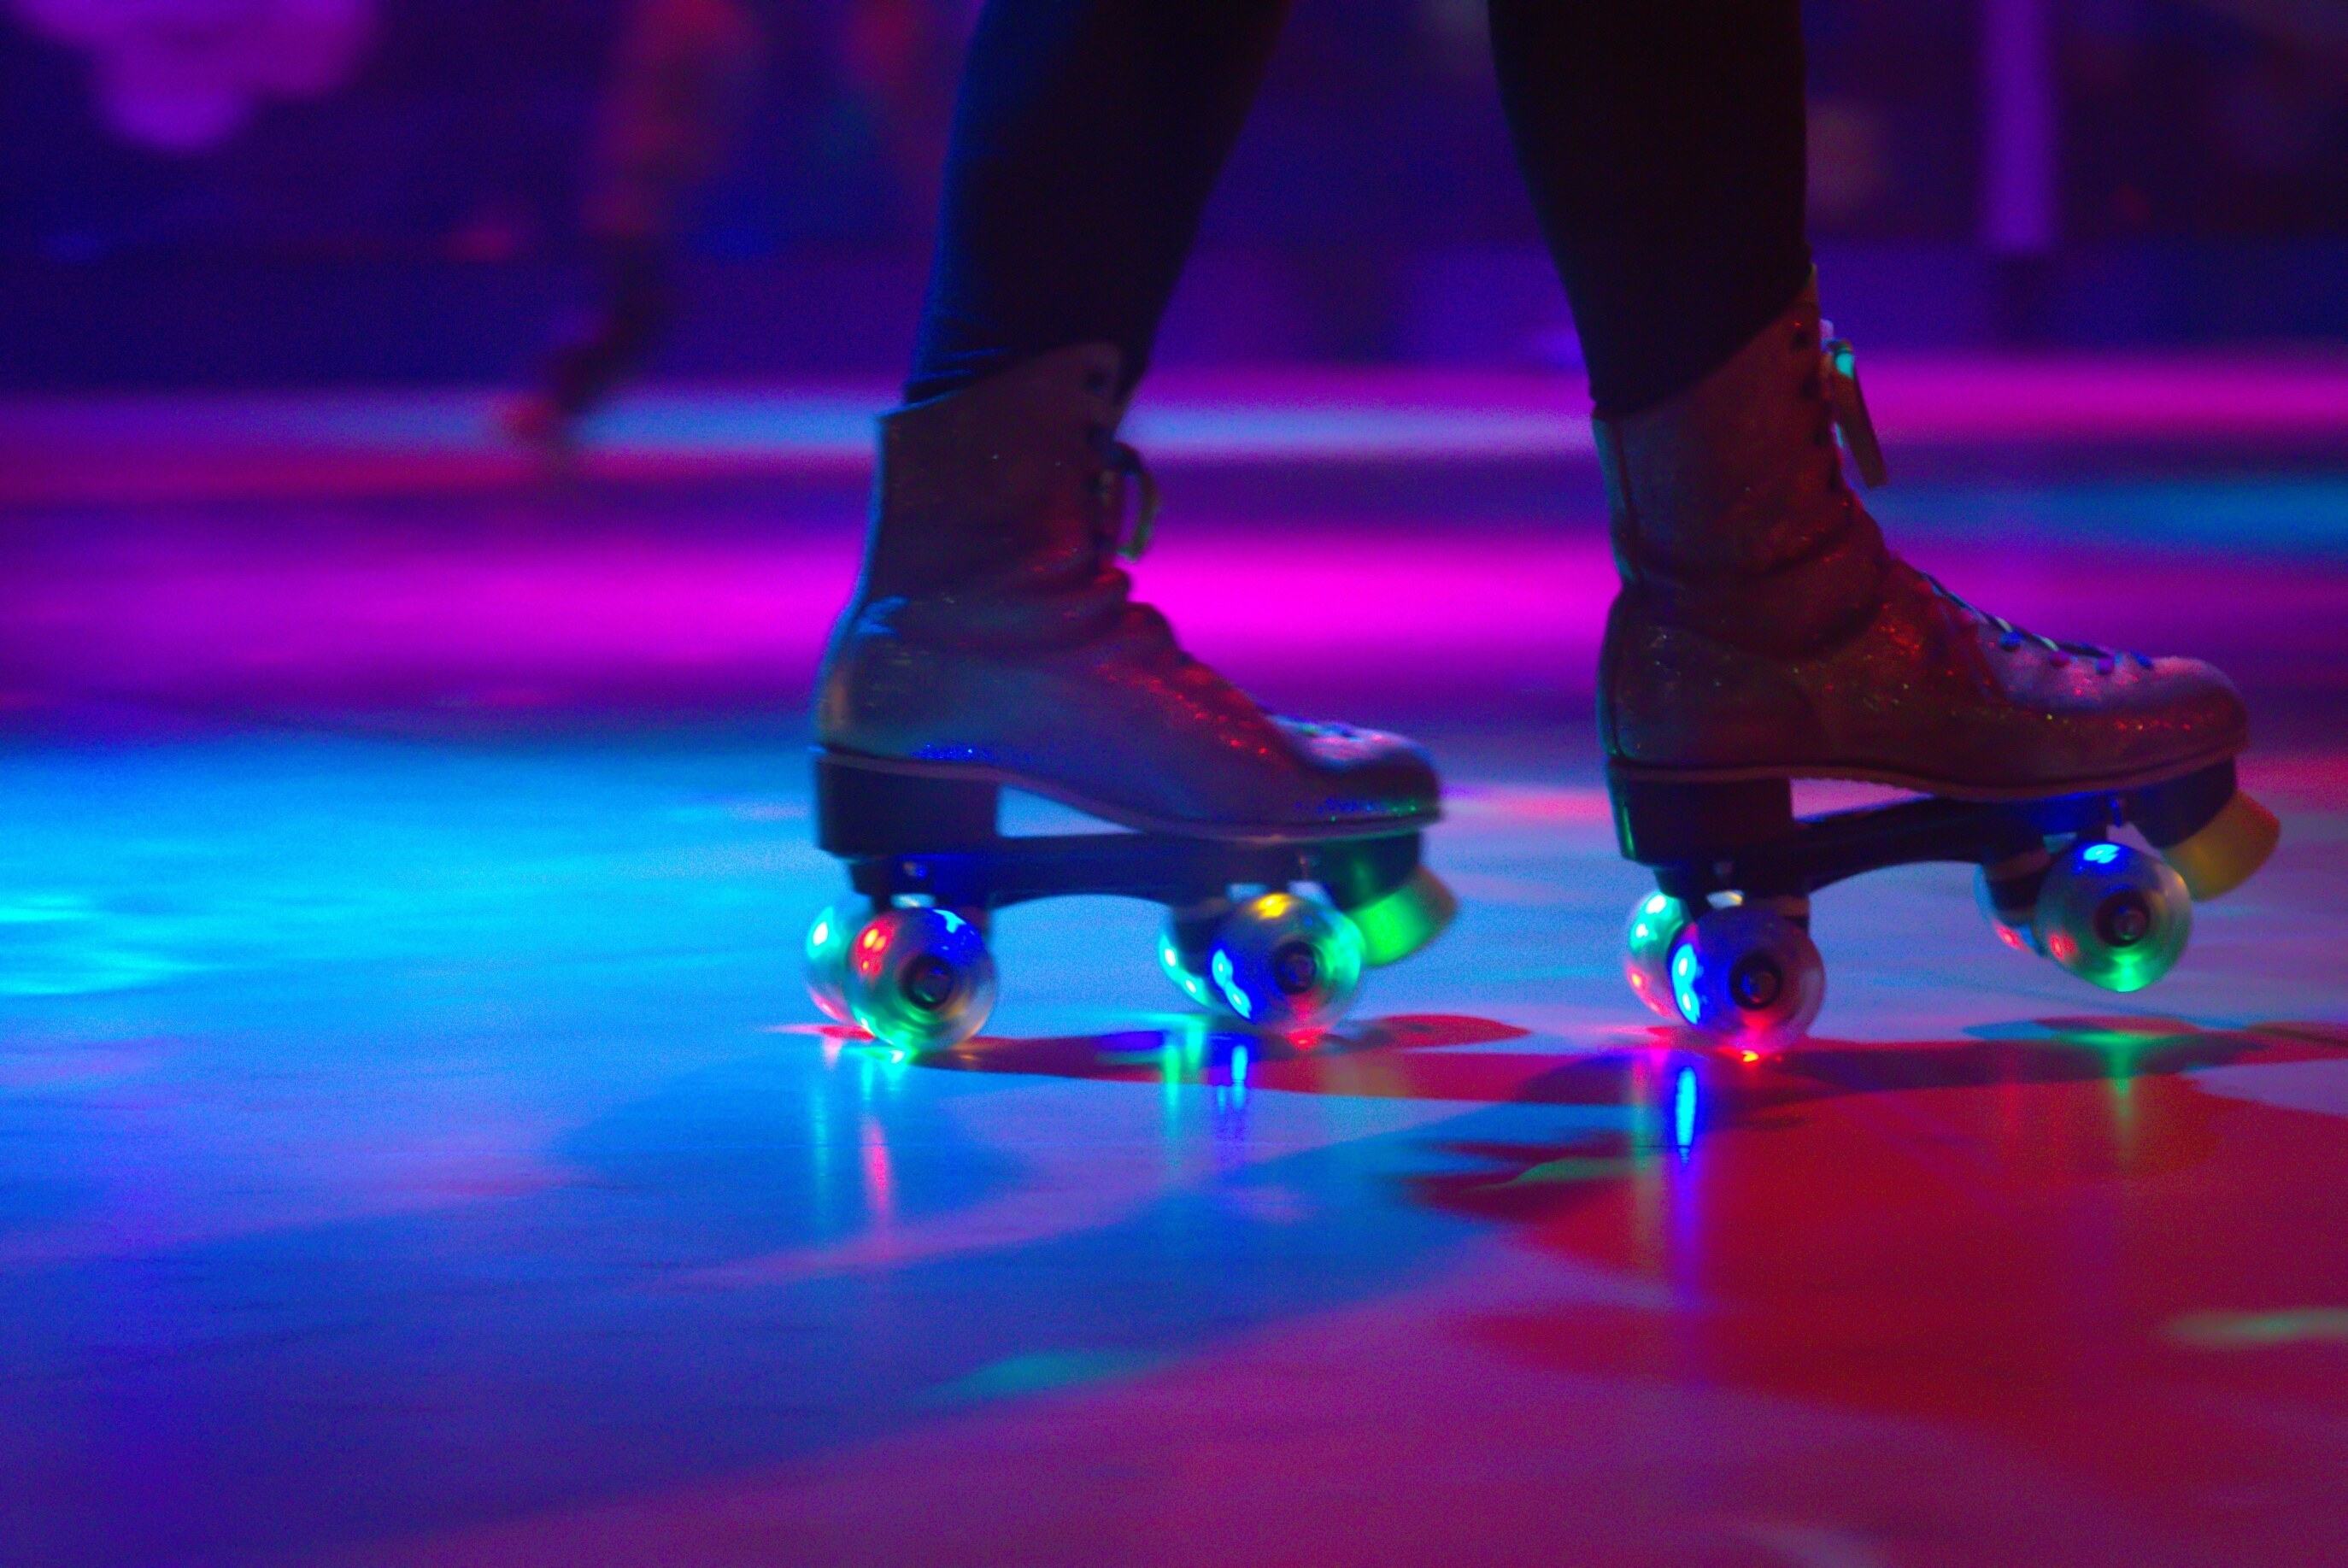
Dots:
(1085, 140)
(679, 82)
(1662, 142)
(632, 306)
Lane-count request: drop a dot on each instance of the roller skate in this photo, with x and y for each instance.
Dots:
(993, 644)
(1765, 633)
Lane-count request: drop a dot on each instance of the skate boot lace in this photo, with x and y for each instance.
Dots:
(2012, 638)
(1847, 406)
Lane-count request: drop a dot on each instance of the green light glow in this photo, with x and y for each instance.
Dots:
(2250, 1330)
(1036, 1372)
(1406, 919)
(1572, 1169)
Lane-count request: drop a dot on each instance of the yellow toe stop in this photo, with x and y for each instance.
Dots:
(2227, 851)
(1406, 919)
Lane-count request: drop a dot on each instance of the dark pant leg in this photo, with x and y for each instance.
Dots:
(631, 304)
(1663, 140)
(1085, 140)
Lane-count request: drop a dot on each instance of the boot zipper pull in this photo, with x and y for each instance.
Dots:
(1851, 422)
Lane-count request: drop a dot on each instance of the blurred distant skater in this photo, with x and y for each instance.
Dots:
(680, 82)
(679, 89)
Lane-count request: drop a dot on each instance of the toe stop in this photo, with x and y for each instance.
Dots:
(1406, 919)
(2227, 851)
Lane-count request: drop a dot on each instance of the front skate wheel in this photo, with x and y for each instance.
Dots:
(919, 978)
(1655, 924)
(2114, 916)
(828, 938)
(1747, 975)
(1281, 962)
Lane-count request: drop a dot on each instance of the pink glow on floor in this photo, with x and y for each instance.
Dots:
(379, 612)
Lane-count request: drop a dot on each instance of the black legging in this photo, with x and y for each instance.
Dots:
(1663, 140)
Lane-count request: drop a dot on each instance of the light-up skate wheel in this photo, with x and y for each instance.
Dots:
(2007, 902)
(1747, 975)
(1655, 922)
(1185, 944)
(2114, 916)
(919, 978)
(1281, 962)
(828, 938)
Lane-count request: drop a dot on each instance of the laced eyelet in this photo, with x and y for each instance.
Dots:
(2011, 637)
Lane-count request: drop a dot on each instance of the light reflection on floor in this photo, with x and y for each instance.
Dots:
(415, 1148)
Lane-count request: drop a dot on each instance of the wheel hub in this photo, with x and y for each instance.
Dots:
(2124, 918)
(1756, 982)
(929, 982)
(1294, 968)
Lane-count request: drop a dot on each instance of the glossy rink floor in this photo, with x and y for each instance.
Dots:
(414, 1147)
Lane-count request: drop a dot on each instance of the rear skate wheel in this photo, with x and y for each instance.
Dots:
(1404, 921)
(828, 938)
(1747, 975)
(1185, 944)
(2007, 893)
(920, 978)
(2227, 851)
(1281, 962)
(1656, 922)
(2114, 916)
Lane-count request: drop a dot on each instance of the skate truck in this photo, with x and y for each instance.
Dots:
(1724, 943)
(905, 957)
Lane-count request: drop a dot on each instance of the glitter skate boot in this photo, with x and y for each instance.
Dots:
(1765, 633)
(993, 642)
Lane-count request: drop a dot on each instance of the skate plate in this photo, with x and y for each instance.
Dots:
(1724, 945)
(929, 864)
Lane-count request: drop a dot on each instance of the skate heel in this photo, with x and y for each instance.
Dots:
(1667, 822)
(2214, 836)
(863, 810)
